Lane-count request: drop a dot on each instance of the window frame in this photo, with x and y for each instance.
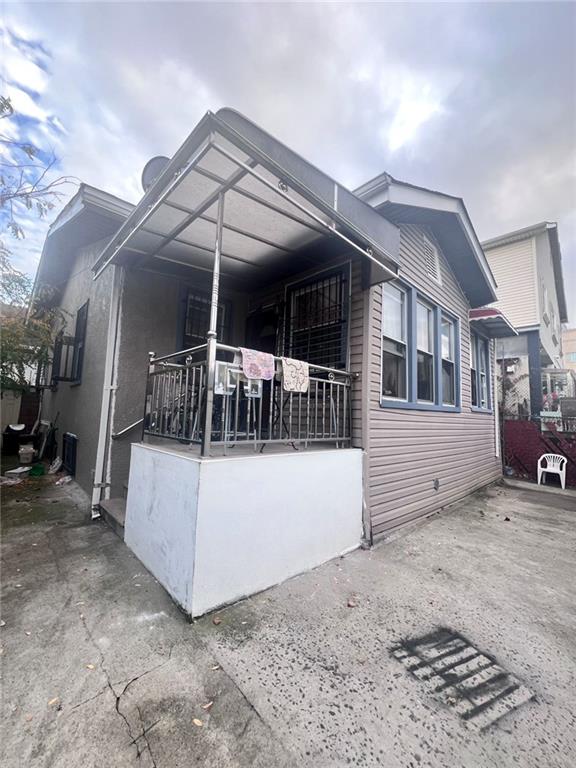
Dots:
(445, 319)
(430, 352)
(223, 320)
(413, 296)
(478, 342)
(79, 343)
(344, 273)
(394, 340)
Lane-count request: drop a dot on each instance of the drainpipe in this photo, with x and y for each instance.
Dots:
(108, 388)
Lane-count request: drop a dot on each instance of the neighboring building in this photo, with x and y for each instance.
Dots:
(527, 266)
(236, 483)
(569, 348)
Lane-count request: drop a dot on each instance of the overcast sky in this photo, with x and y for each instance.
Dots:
(476, 100)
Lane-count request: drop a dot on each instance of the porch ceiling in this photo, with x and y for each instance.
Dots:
(277, 209)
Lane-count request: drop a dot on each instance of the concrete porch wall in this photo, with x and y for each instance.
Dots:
(215, 530)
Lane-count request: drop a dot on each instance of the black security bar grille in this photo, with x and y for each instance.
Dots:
(318, 321)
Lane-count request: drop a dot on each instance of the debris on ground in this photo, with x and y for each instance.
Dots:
(19, 472)
(352, 602)
(198, 723)
(64, 480)
(216, 620)
(207, 705)
(55, 466)
(9, 480)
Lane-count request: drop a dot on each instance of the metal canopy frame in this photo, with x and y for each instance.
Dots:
(275, 191)
(237, 201)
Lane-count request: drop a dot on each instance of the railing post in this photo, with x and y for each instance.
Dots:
(212, 332)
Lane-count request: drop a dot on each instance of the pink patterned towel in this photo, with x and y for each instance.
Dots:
(257, 365)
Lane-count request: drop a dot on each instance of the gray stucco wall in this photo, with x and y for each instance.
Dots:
(150, 321)
(77, 406)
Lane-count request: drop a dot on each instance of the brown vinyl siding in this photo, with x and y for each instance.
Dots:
(356, 343)
(409, 449)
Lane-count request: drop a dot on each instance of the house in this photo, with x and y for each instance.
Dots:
(569, 348)
(239, 475)
(527, 265)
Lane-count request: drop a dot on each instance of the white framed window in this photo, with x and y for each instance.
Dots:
(394, 343)
(448, 347)
(425, 352)
(479, 372)
(420, 352)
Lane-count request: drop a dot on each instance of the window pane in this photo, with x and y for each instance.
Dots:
(393, 312)
(483, 391)
(483, 356)
(473, 355)
(447, 339)
(474, 386)
(448, 383)
(198, 319)
(425, 375)
(318, 321)
(424, 327)
(393, 369)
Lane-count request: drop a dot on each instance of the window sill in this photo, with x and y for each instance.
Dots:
(477, 409)
(408, 406)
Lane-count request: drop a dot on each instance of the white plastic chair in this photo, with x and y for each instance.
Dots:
(555, 464)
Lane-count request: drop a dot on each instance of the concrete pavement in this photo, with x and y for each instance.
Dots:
(100, 668)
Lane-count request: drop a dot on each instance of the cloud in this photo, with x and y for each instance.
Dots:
(475, 99)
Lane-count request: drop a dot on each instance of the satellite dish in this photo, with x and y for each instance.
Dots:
(152, 170)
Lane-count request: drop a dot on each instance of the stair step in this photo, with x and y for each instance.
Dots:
(113, 512)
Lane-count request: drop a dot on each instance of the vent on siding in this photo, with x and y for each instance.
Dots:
(432, 260)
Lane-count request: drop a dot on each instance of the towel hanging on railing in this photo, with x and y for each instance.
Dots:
(257, 365)
(295, 375)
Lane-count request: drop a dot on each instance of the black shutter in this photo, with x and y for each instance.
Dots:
(79, 343)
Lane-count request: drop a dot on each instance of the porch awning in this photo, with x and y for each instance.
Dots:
(277, 209)
(492, 322)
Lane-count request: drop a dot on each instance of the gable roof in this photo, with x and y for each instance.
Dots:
(551, 229)
(448, 218)
(89, 216)
(278, 206)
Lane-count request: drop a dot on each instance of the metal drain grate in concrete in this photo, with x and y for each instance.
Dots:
(462, 677)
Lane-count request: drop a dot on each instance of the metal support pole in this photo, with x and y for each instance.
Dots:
(213, 331)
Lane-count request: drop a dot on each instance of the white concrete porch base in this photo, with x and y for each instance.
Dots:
(215, 530)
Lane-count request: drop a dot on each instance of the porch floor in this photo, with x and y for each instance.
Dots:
(240, 449)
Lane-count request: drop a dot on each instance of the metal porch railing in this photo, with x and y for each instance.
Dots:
(244, 411)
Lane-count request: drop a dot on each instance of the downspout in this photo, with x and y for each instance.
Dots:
(108, 388)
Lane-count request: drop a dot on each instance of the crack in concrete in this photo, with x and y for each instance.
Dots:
(109, 683)
(144, 735)
(81, 703)
(146, 672)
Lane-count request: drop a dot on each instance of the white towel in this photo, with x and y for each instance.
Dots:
(295, 375)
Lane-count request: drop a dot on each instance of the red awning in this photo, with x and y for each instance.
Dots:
(492, 322)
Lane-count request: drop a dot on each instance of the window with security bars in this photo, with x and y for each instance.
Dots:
(318, 321)
(68, 355)
(197, 321)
